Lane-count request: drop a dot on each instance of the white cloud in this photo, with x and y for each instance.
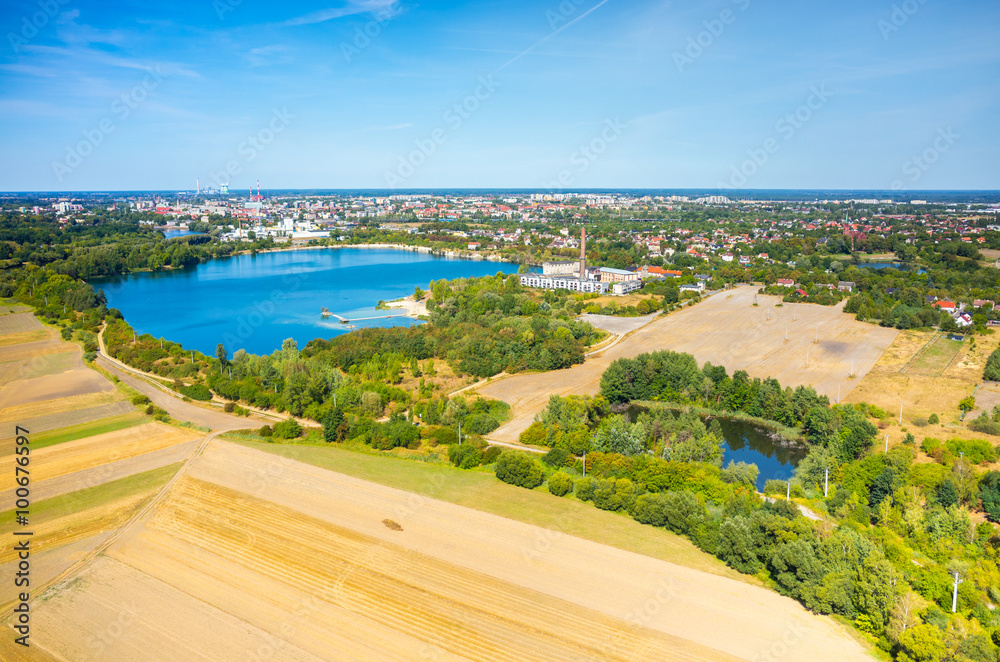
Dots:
(352, 7)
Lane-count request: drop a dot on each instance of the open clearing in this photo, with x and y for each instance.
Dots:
(935, 357)
(727, 330)
(256, 555)
(889, 386)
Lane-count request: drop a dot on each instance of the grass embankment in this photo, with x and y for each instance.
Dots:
(481, 490)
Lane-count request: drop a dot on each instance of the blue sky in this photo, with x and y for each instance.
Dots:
(375, 94)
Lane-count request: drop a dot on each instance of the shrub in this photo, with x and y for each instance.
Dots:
(519, 469)
(773, 486)
(289, 429)
(229, 407)
(976, 451)
(933, 419)
(480, 423)
(140, 400)
(920, 422)
(649, 509)
(560, 483)
(491, 454)
(929, 445)
(614, 494)
(585, 488)
(197, 392)
(265, 431)
(983, 423)
(992, 371)
(89, 357)
(465, 456)
(556, 457)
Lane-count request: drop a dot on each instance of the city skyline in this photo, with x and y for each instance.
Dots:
(573, 95)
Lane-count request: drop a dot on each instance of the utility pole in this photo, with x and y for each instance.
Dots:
(584, 464)
(954, 594)
(887, 444)
(788, 490)
(460, 433)
(900, 413)
(826, 482)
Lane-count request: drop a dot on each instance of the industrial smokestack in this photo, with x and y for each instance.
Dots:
(583, 254)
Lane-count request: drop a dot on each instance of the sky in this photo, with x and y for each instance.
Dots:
(548, 94)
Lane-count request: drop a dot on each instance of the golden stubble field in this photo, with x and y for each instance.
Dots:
(823, 346)
(42, 376)
(253, 556)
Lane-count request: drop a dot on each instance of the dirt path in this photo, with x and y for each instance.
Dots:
(178, 409)
(727, 330)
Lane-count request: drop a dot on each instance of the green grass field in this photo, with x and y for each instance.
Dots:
(92, 497)
(482, 491)
(935, 358)
(83, 430)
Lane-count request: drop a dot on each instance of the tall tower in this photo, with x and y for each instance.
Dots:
(583, 254)
(197, 184)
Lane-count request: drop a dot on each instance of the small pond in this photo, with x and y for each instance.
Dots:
(743, 441)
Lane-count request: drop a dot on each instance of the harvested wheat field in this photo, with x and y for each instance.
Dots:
(728, 330)
(45, 380)
(254, 556)
(102, 449)
(61, 419)
(75, 465)
(68, 527)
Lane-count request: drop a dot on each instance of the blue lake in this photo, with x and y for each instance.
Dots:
(254, 302)
(172, 234)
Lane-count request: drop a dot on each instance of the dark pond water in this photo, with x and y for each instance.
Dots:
(889, 265)
(745, 442)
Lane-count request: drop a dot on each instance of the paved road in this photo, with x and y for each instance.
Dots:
(178, 409)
